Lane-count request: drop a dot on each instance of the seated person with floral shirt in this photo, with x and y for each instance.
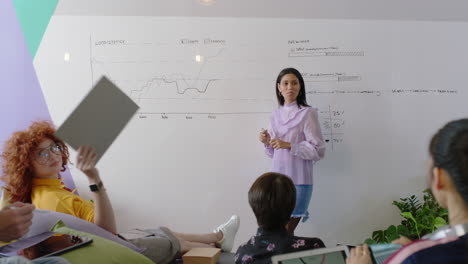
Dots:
(272, 198)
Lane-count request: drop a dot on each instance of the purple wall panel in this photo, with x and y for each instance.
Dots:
(21, 98)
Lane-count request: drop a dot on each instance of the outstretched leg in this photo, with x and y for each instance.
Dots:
(223, 236)
(209, 238)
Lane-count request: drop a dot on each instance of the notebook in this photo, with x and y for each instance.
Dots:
(99, 118)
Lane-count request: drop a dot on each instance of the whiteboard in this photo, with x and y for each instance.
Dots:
(206, 87)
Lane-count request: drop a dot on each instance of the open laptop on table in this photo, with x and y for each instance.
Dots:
(335, 255)
(379, 252)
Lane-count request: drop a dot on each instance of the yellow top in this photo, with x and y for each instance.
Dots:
(49, 194)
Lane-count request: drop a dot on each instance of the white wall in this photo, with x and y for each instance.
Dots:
(427, 10)
(192, 170)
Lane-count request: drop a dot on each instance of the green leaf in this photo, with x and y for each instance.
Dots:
(403, 231)
(408, 215)
(370, 241)
(439, 222)
(378, 236)
(420, 217)
(391, 229)
(391, 234)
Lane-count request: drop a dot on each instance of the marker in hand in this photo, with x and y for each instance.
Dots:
(264, 136)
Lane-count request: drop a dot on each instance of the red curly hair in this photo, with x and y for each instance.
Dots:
(18, 155)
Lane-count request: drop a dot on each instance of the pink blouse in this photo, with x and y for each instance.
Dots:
(301, 128)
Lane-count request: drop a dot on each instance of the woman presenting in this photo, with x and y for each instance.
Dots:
(294, 140)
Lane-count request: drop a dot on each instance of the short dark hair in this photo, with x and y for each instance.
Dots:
(272, 198)
(301, 97)
(449, 151)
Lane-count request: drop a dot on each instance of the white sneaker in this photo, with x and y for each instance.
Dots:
(229, 230)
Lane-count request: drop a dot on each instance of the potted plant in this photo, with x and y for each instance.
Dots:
(419, 219)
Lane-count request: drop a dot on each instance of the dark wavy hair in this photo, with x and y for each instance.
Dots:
(301, 97)
(272, 198)
(17, 159)
(449, 151)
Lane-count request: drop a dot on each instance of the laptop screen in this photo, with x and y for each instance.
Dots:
(336, 255)
(54, 245)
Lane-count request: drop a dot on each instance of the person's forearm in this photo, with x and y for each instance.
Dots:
(307, 151)
(103, 212)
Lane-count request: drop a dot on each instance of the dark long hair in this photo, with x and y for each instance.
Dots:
(301, 97)
(449, 151)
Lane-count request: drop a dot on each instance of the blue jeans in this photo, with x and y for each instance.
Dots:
(303, 196)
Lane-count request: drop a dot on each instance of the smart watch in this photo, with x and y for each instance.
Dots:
(96, 187)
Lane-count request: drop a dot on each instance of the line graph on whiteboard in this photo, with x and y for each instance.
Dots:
(186, 78)
(210, 77)
(181, 84)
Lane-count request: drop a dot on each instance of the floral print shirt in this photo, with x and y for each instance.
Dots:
(266, 243)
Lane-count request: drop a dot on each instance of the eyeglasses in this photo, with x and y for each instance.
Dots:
(43, 156)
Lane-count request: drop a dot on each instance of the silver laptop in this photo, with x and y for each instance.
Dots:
(335, 255)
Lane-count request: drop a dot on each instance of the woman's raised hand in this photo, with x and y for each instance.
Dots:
(86, 161)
